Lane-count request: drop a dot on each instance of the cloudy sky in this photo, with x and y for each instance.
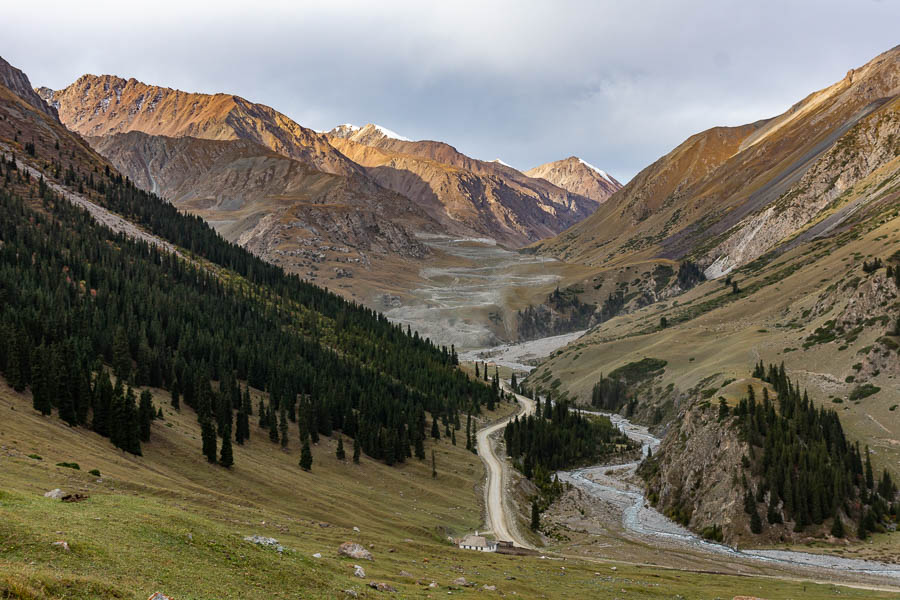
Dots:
(616, 83)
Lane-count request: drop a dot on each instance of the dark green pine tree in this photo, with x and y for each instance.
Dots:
(435, 430)
(103, 395)
(226, 457)
(356, 450)
(420, 447)
(13, 367)
(145, 410)
(175, 390)
(121, 354)
(477, 371)
(273, 425)
(306, 457)
(65, 401)
(132, 436)
(469, 431)
(755, 522)
(208, 435)
(40, 388)
(535, 516)
(433, 465)
(341, 455)
(263, 420)
(453, 436)
(870, 479)
(837, 527)
(283, 426)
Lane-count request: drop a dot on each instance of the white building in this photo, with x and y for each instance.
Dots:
(478, 543)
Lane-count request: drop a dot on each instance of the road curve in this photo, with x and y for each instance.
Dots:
(500, 520)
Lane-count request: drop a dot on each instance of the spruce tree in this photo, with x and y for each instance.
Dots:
(132, 423)
(306, 457)
(435, 430)
(273, 425)
(755, 522)
(356, 450)
(837, 527)
(339, 453)
(226, 458)
(535, 516)
(433, 466)
(283, 426)
(145, 411)
(208, 435)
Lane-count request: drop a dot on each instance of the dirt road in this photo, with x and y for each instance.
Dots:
(500, 519)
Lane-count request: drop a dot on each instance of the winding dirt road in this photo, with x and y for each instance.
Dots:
(501, 520)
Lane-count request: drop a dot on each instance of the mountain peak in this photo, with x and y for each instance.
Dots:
(578, 176)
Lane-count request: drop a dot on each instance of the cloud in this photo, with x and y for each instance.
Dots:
(616, 83)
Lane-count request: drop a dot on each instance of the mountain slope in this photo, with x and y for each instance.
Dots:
(101, 105)
(578, 177)
(466, 195)
(709, 188)
(321, 225)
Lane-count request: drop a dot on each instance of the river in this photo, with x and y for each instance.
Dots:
(613, 484)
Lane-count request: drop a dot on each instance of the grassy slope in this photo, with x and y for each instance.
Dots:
(168, 521)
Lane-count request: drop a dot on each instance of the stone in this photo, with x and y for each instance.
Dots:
(159, 596)
(317, 555)
(354, 550)
(462, 581)
(405, 574)
(381, 586)
(358, 571)
(356, 529)
(61, 544)
(433, 585)
(266, 542)
(351, 593)
(489, 588)
(56, 494)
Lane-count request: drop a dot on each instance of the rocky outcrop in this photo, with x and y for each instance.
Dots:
(578, 177)
(354, 550)
(825, 187)
(18, 83)
(695, 471)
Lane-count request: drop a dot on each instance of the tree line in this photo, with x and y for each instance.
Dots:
(78, 300)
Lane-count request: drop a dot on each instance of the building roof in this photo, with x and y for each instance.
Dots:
(475, 540)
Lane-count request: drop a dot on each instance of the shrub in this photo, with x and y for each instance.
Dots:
(35, 456)
(864, 391)
(95, 472)
(69, 465)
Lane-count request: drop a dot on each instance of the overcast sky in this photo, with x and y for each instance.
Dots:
(616, 83)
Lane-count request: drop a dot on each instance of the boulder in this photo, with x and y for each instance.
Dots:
(462, 581)
(358, 571)
(351, 593)
(56, 494)
(159, 596)
(317, 555)
(266, 542)
(489, 588)
(381, 586)
(354, 550)
(61, 544)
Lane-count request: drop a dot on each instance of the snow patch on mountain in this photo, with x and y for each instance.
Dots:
(601, 172)
(391, 134)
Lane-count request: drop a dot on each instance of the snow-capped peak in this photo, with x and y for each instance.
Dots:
(600, 172)
(391, 134)
(500, 162)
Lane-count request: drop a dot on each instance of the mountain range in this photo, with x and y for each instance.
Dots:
(342, 208)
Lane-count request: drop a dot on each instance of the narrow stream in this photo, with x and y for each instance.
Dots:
(611, 484)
